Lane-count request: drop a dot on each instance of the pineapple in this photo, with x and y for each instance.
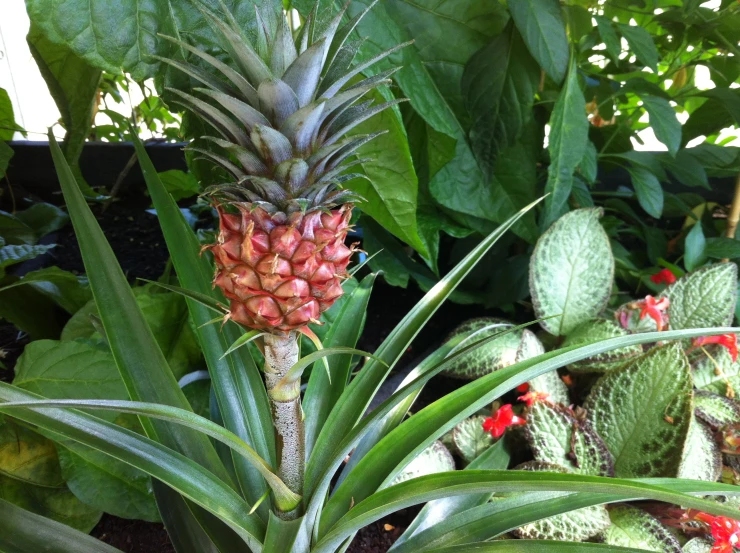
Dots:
(281, 124)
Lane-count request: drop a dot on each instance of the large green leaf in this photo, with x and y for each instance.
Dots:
(58, 504)
(571, 272)
(648, 190)
(643, 411)
(567, 144)
(237, 382)
(67, 290)
(27, 456)
(403, 443)
(123, 35)
(174, 469)
(430, 487)
(499, 84)
(7, 118)
(67, 370)
(705, 297)
(391, 186)
(541, 24)
(73, 85)
(22, 531)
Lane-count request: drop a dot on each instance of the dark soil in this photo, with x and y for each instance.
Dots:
(133, 536)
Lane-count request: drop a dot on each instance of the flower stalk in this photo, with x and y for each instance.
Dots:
(281, 353)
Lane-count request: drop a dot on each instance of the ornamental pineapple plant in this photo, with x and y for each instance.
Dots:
(303, 471)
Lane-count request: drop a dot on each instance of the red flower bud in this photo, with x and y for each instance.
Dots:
(501, 420)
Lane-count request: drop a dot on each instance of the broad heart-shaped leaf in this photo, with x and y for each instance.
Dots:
(568, 138)
(643, 412)
(116, 37)
(58, 504)
(663, 121)
(22, 531)
(106, 483)
(632, 527)
(67, 290)
(69, 370)
(541, 24)
(470, 439)
(391, 186)
(432, 460)
(703, 298)
(74, 86)
(641, 44)
(499, 84)
(27, 456)
(571, 272)
(556, 436)
(702, 459)
(594, 331)
(714, 371)
(716, 410)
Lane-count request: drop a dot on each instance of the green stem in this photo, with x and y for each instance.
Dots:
(281, 353)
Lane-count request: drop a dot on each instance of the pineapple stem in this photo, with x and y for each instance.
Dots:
(281, 353)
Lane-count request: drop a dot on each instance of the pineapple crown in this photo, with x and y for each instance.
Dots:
(283, 118)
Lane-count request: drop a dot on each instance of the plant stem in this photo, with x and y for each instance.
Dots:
(281, 353)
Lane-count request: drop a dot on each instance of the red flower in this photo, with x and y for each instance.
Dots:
(725, 532)
(533, 397)
(501, 420)
(522, 387)
(655, 309)
(664, 276)
(728, 341)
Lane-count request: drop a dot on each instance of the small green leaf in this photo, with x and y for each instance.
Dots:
(67, 290)
(698, 545)
(721, 248)
(11, 255)
(7, 120)
(595, 331)
(702, 459)
(703, 298)
(641, 44)
(470, 439)
(694, 256)
(686, 169)
(243, 340)
(632, 527)
(14, 231)
(571, 271)
(557, 437)
(663, 121)
(714, 371)
(609, 36)
(179, 184)
(648, 190)
(568, 138)
(6, 154)
(643, 411)
(716, 410)
(541, 24)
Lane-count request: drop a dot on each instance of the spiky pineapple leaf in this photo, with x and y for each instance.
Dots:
(632, 527)
(703, 298)
(571, 271)
(716, 410)
(557, 436)
(594, 331)
(643, 410)
(702, 459)
(469, 438)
